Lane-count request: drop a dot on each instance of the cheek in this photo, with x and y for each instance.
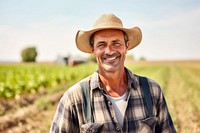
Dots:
(97, 53)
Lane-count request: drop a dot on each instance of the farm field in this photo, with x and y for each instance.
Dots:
(29, 93)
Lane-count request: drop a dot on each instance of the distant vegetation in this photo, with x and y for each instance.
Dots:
(92, 58)
(130, 57)
(29, 54)
(29, 78)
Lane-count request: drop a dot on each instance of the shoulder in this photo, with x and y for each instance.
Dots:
(154, 86)
(156, 91)
(74, 94)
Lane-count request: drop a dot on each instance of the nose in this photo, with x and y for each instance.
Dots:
(109, 50)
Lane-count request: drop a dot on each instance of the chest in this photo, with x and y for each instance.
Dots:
(103, 111)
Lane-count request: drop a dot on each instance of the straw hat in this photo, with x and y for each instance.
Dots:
(107, 21)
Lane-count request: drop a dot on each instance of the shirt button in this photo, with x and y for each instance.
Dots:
(109, 102)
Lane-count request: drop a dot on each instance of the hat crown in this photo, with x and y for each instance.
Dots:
(107, 20)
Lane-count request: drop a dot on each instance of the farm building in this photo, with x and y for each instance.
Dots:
(71, 60)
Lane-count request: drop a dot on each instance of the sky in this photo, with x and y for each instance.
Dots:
(170, 28)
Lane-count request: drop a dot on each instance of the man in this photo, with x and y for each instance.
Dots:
(116, 97)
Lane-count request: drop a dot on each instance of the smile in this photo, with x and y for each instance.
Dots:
(111, 58)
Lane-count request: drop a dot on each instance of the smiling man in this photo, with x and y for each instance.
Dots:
(110, 50)
(112, 99)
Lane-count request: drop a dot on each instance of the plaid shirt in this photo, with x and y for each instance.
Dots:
(69, 116)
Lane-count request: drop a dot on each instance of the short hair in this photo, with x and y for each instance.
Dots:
(92, 40)
(125, 37)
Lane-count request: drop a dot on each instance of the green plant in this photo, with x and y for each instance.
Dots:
(29, 54)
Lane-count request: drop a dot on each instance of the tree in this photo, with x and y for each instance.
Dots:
(29, 54)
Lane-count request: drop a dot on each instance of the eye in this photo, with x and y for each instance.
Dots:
(116, 44)
(100, 45)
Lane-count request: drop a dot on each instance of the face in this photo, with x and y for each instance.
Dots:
(110, 50)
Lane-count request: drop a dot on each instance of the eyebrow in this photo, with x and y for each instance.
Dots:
(117, 40)
(113, 41)
(100, 42)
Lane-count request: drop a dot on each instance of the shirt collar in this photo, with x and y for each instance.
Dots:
(132, 80)
(95, 82)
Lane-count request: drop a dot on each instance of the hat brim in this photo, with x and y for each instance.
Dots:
(83, 37)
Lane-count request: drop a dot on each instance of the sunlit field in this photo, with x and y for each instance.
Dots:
(29, 93)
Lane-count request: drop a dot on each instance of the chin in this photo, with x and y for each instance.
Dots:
(111, 68)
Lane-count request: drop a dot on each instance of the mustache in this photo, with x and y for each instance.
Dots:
(110, 56)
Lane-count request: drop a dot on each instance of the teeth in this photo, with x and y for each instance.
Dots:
(111, 58)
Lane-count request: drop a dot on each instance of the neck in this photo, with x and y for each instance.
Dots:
(114, 84)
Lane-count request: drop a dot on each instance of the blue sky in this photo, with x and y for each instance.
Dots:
(170, 28)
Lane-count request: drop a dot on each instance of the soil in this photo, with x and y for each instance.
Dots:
(24, 116)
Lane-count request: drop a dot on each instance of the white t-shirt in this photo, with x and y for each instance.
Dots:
(119, 104)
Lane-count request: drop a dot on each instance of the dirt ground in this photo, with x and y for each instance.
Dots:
(29, 118)
(35, 123)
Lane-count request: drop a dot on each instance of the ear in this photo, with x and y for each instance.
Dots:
(127, 45)
(93, 53)
(91, 48)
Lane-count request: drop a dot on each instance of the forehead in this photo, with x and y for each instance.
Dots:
(108, 33)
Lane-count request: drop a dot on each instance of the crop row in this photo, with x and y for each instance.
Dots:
(16, 79)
